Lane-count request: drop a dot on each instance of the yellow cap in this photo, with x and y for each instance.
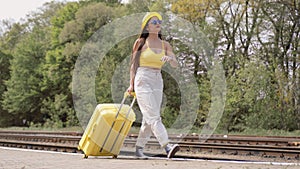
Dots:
(148, 16)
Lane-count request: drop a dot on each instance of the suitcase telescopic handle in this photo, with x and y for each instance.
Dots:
(126, 94)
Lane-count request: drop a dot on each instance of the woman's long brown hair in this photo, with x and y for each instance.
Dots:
(137, 50)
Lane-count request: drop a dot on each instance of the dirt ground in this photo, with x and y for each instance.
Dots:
(11, 158)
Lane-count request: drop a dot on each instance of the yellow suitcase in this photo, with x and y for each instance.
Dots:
(107, 129)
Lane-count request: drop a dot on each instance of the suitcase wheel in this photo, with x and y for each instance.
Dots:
(115, 156)
(85, 156)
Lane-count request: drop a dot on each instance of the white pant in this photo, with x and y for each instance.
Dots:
(148, 86)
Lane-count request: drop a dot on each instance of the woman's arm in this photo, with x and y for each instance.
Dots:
(170, 56)
(132, 71)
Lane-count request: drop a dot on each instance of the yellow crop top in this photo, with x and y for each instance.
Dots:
(151, 59)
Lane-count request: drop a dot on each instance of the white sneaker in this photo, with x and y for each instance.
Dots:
(139, 153)
(171, 150)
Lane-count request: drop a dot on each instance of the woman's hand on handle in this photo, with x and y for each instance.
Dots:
(130, 89)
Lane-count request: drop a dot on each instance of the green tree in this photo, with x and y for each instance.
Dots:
(246, 34)
(6, 118)
(281, 57)
(69, 36)
(12, 35)
(23, 96)
(137, 6)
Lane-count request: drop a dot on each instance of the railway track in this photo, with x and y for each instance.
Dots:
(287, 148)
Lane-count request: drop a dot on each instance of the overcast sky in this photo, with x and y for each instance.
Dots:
(17, 9)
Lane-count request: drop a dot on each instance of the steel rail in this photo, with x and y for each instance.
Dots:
(274, 147)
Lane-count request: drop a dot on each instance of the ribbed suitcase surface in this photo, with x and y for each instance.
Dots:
(107, 129)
